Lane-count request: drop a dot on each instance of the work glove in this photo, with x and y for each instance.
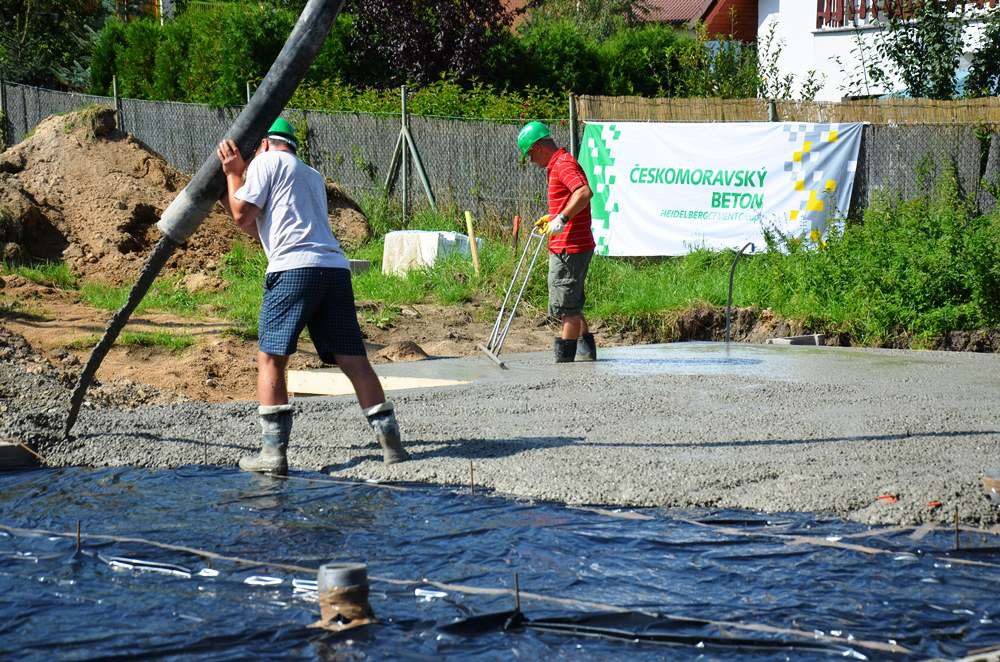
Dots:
(557, 225)
(543, 224)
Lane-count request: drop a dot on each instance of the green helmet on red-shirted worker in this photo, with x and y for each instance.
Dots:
(530, 134)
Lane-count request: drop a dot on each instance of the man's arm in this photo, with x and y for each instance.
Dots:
(577, 202)
(233, 166)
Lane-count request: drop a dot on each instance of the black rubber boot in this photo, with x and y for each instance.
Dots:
(382, 419)
(565, 350)
(276, 427)
(586, 348)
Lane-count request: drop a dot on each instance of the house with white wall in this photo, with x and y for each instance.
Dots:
(833, 38)
(836, 38)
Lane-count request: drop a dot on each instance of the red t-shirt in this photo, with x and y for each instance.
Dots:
(565, 176)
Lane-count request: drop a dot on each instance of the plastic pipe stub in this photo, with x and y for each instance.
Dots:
(341, 575)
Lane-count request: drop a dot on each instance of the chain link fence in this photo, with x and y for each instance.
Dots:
(473, 163)
(908, 160)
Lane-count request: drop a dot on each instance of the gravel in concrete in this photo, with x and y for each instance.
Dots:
(769, 428)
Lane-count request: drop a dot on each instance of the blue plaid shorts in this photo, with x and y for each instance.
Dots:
(317, 298)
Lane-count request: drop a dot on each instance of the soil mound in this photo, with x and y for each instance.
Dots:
(35, 391)
(78, 189)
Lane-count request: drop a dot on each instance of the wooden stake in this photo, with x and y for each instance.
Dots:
(472, 242)
(472, 483)
(957, 546)
(27, 448)
(517, 593)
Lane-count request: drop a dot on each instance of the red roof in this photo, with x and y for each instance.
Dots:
(714, 13)
(675, 11)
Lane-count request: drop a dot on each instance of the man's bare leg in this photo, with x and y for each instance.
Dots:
(574, 326)
(271, 386)
(380, 414)
(275, 416)
(364, 380)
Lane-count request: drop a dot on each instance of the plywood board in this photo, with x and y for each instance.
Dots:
(316, 382)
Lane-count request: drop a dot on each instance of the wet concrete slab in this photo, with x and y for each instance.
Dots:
(759, 427)
(789, 363)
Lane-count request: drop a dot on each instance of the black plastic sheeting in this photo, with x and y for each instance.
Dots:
(680, 581)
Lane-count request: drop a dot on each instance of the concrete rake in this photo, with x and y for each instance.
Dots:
(500, 327)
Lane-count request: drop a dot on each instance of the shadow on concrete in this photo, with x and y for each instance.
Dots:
(252, 444)
(818, 440)
(466, 449)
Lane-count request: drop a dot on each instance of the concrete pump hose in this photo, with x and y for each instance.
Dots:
(187, 211)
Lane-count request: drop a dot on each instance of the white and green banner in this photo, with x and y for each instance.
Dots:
(667, 188)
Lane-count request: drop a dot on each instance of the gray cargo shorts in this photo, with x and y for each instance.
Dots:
(567, 274)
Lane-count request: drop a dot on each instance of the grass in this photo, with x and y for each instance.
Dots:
(49, 274)
(921, 267)
(174, 342)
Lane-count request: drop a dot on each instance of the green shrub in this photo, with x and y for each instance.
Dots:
(135, 62)
(171, 67)
(445, 97)
(103, 58)
(562, 58)
(638, 61)
(711, 67)
(922, 266)
(237, 44)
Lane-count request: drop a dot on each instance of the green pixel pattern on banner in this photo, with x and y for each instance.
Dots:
(597, 162)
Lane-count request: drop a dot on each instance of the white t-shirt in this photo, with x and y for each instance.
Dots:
(293, 223)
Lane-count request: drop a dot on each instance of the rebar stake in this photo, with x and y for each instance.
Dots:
(78, 536)
(517, 593)
(472, 483)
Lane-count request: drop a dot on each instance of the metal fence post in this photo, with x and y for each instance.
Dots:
(406, 157)
(248, 91)
(3, 110)
(772, 110)
(572, 126)
(118, 109)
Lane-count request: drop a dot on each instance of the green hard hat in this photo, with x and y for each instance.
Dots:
(530, 134)
(284, 130)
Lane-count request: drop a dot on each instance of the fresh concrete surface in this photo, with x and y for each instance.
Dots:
(761, 427)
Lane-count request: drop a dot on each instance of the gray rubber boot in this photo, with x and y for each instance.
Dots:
(586, 348)
(565, 350)
(276, 427)
(382, 419)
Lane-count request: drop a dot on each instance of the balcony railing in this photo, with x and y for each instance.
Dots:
(846, 13)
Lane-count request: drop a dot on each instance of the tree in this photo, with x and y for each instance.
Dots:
(424, 40)
(47, 42)
(921, 48)
(599, 19)
(984, 72)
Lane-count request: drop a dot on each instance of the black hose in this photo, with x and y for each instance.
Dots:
(732, 271)
(193, 203)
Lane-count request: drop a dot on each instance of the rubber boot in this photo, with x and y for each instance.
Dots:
(382, 419)
(276, 427)
(586, 348)
(565, 350)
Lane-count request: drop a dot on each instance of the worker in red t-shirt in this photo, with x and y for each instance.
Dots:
(571, 242)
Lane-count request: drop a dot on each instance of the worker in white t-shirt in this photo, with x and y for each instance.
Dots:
(282, 203)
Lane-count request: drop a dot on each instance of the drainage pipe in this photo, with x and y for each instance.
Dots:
(187, 211)
(732, 271)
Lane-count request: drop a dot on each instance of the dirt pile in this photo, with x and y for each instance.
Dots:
(78, 189)
(35, 391)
